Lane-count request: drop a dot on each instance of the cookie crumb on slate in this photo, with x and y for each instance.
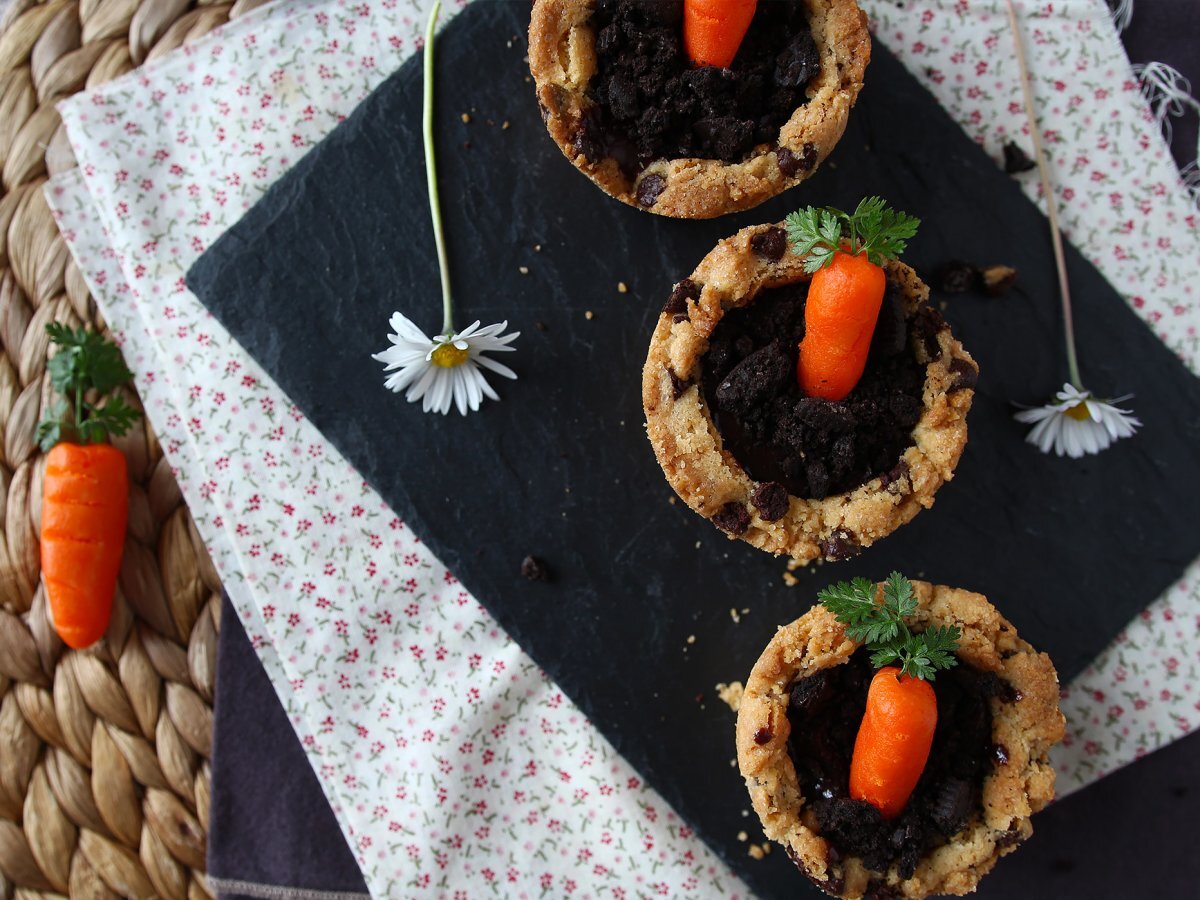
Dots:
(759, 851)
(466, 117)
(589, 315)
(534, 568)
(731, 694)
(742, 836)
(998, 279)
(790, 580)
(691, 639)
(733, 614)
(622, 287)
(524, 270)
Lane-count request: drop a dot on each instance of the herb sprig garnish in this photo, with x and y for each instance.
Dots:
(85, 362)
(881, 626)
(873, 228)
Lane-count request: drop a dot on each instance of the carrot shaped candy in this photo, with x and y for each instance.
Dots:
(713, 29)
(893, 741)
(897, 729)
(85, 490)
(845, 254)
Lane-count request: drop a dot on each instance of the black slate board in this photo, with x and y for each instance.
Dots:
(1070, 550)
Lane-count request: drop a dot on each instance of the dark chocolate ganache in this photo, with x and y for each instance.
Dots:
(651, 103)
(813, 447)
(825, 711)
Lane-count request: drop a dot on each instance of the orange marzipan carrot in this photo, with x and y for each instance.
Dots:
(713, 29)
(84, 513)
(893, 741)
(839, 320)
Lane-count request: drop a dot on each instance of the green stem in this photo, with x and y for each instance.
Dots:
(78, 412)
(435, 210)
(1039, 156)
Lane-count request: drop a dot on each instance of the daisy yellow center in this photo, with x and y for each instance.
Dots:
(448, 356)
(1079, 412)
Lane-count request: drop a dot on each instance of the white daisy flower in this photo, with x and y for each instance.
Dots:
(445, 369)
(1076, 423)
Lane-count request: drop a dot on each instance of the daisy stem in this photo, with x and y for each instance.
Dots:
(435, 209)
(1039, 156)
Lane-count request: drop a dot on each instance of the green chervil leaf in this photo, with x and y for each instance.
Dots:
(873, 228)
(881, 626)
(85, 362)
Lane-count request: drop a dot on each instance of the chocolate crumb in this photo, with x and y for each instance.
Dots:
(839, 545)
(534, 568)
(998, 279)
(771, 500)
(771, 243)
(649, 189)
(732, 518)
(957, 276)
(763, 736)
(676, 304)
(1016, 160)
(966, 376)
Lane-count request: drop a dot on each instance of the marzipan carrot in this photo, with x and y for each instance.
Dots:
(897, 728)
(839, 321)
(713, 29)
(893, 741)
(84, 508)
(85, 490)
(845, 254)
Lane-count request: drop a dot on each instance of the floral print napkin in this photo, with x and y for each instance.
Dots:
(451, 761)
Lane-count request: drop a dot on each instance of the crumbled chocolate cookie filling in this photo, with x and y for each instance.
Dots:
(652, 103)
(771, 500)
(825, 712)
(813, 447)
(733, 518)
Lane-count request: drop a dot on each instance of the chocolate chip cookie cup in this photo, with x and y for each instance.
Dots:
(792, 475)
(625, 104)
(986, 774)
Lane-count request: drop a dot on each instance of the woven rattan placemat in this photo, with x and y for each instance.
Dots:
(104, 774)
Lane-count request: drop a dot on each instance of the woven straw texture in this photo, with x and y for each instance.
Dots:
(104, 774)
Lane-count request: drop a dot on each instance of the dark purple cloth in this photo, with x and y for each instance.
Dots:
(271, 824)
(1168, 31)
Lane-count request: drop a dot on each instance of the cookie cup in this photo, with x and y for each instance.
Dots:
(562, 59)
(1027, 723)
(712, 482)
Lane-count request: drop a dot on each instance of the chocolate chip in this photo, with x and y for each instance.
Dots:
(951, 805)
(678, 385)
(1013, 836)
(926, 325)
(791, 163)
(683, 292)
(966, 376)
(893, 475)
(998, 279)
(732, 518)
(649, 189)
(839, 545)
(771, 501)
(535, 569)
(763, 736)
(771, 243)
(999, 754)
(1016, 160)
(992, 685)
(957, 277)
